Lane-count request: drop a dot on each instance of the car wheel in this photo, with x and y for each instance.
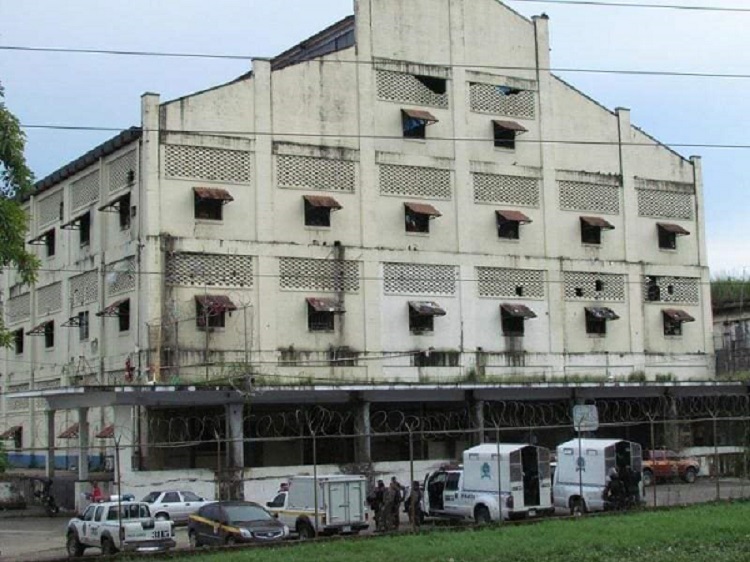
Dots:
(305, 531)
(648, 478)
(577, 507)
(73, 546)
(162, 516)
(482, 515)
(193, 538)
(108, 547)
(231, 541)
(690, 475)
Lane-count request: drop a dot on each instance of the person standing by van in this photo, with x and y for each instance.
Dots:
(414, 505)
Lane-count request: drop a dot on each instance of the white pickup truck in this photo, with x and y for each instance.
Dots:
(99, 527)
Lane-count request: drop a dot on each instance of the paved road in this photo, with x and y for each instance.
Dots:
(36, 539)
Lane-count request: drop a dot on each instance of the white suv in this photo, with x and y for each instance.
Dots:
(174, 505)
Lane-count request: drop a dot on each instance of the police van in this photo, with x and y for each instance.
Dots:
(508, 480)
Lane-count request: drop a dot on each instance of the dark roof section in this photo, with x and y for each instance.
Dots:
(335, 38)
(91, 157)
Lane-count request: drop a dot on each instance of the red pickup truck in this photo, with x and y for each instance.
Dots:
(663, 464)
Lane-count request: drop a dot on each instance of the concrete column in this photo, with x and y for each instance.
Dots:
(83, 444)
(264, 192)
(477, 412)
(50, 471)
(362, 449)
(236, 435)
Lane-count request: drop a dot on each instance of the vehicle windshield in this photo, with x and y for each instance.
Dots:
(191, 497)
(247, 513)
(151, 498)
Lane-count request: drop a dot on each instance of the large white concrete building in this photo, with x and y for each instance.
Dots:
(409, 195)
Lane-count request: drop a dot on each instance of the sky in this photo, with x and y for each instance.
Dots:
(102, 90)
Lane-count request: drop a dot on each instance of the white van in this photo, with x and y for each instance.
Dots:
(582, 469)
(472, 491)
(342, 505)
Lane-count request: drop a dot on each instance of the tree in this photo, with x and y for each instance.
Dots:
(16, 182)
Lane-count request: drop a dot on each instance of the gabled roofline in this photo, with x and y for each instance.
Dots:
(322, 43)
(91, 157)
(240, 78)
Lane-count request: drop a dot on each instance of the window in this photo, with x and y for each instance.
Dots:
(18, 438)
(437, 359)
(171, 497)
(123, 315)
(209, 203)
(278, 501)
(318, 210)
(88, 515)
(191, 497)
(509, 223)
(505, 132)
(84, 232)
(417, 217)
(151, 497)
(49, 334)
(673, 321)
(83, 325)
(591, 230)
(99, 513)
(211, 311)
(49, 243)
(598, 285)
(422, 316)
(414, 123)
(18, 341)
(123, 211)
(435, 85)
(319, 321)
(597, 318)
(653, 291)
(668, 234)
(672, 327)
(451, 483)
(513, 318)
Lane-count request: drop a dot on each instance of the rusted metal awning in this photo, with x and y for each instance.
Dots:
(673, 228)
(106, 433)
(74, 224)
(70, 433)
(323, 201)
(597, 222)
(326, 305)
(426, 308)
(423, 209)
(677, 315)
(113, 310)
(213, 194)
(515, 216)
(115, 205)
(72, 322)
(518, 310)
(40, 240)
(40, 329)
(510, 126)
(602, 313)
(421, 115)
(216, 303)
(10, 433)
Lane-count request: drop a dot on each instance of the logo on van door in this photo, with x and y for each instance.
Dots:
(485, 471)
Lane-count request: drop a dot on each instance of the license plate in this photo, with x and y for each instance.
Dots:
(346, 529)
(532, 513)
(162, 534)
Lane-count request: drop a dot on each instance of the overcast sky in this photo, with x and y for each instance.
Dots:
(99, 90)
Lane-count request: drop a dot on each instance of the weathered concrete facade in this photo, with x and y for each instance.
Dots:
(217, 237)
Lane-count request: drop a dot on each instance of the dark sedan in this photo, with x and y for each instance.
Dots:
(234, 522)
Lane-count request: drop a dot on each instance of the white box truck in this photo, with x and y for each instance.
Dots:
(583, 466)
(342, 505)
(472, 491)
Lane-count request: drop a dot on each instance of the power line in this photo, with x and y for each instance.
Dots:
(219, 56)
(239, 133)
(600, 3)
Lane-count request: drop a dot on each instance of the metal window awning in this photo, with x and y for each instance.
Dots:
(423, 209)
(70, 433)
(420, 115)
(106, 433)
(72, 322)
(215, 304)
(597, 222)
(677, 315)
(113, 310)
(115, 205)
(10, 433)
(40, 240)
(39, 330)
(74, 224)
(213, 194)
(518, 311)
(673, 228)
(515, 216)
(326, 305)
(322, 201)
(602, 313)
(426, 308)
(517, 128)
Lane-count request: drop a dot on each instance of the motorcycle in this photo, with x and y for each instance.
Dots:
(45, 498)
